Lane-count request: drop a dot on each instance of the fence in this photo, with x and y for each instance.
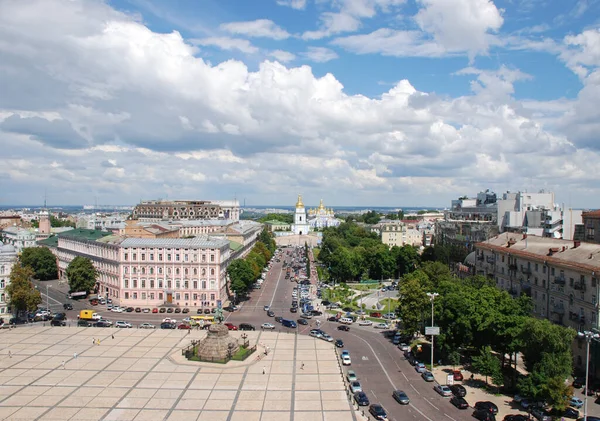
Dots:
(243, 352)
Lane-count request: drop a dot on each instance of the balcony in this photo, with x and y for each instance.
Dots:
(480, 257)
(526, 270)
(580, 286)
(560, 280)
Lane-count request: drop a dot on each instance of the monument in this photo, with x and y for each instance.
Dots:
(217, 345)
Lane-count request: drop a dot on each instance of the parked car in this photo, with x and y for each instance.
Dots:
(376, 314)
(540, 414)
(245, 326)
(365, 323)
(420, 367)
(578, 382)
(576, 402)
(458, 377)
(351, 376)
(326, 337)
(401, 397)
(167, 325)
(187, 310)
(146, 326)
(103, 323)
(381, 326)
(266, 308)
(443, 390)
(570, 413)
(122, 324)
(355, 386)
(302, 321)
(162, 310)
(339, 343)
(346, 360)
(270, 313)
(278, 319)
(58, 322)
(361, 399)
(293, 309)
(516, 417)
(316, 333)
(267, 326)
(170, 310)
(458, 390)
(487, 406)
(177, 310)
(459, 402)
(428, 376)
(138, 310)
(184, 326)
(403, 347)
(483, 415)
(378, 412)
(231, 326)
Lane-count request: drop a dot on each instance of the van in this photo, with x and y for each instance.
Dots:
(289, 323)
(346, 320)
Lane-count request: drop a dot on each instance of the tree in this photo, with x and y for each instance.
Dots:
(412, 301)
(286, 218)
(266, 238)
(41, 261)
(454, 358)
(21, 293)
(487, 365)
(407, 259)
(241, 275)
(81, 274)
(544, 337)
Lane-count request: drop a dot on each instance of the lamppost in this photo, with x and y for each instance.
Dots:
(47, 299)
(588, 336)
(432, 296)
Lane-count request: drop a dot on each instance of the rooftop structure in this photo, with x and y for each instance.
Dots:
(156, 210)
(591, 226)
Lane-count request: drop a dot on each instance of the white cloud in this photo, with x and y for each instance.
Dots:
(283, 56)
(264, 28)
(294, 4)
(582, 51)
(227, 43)
(320, 54)
(121, 111)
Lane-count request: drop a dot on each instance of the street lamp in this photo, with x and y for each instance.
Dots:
(432, 296)
(588, 336)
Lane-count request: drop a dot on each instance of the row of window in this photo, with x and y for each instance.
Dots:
(178, 296)
(159, 271)
(177, 257)
(168, 284)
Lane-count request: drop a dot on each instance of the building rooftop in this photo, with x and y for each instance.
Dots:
(235, 246)
(77, 233)
(591, 214)
(196, 242)
(584, 256)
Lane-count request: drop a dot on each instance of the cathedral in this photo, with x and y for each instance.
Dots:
(322, 217)
(300, 226)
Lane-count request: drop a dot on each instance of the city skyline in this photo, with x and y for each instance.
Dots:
(360, 102)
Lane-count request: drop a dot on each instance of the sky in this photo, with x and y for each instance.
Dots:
(358, 102)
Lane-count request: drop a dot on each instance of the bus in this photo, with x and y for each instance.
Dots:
(77, 295)
(201, 320)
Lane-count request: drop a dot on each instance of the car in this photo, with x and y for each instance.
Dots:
(401, 397)
(458, 390)
(316, 333)
(483, 415)
(540, 414)
(154, 310)
(459, 402)
(58, 322)
(103, 323)
(376, 314)
(231, 326)
(355, 387)
(302, 321)
(293, 309)
(129, 309)
(570, 413)
(487, 406)
(138, 310)
(162, 310)
(457, 375)
(167, 325)
(68, 306)
(339, 343)
(246, 326)
(344, 328)
(332, 319)
(378, 412)
(271, 313)
(278, 319)
(576, 402)
(346, 360)
(117, 309)
(199, 311)
(403, 347)
(146, 326)
(361, 399)
(578, 382)
(270, 326)
(123, 324)
(443, 390)
(185, 310)
(381, 326)
(316, 313)
(420, 367)
(351, 376)
(389, 316)
(326, 337)
(170, 310)
(207, 311)
(365, 323)
(306, 316)
(427, 376)
(516, 417)
(266, 308)
(184, 326)
(177, 310)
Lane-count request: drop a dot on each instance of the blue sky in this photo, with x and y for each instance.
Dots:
(386, 102)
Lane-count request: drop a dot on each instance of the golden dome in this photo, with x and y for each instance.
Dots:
(299, 203)
(321, 207)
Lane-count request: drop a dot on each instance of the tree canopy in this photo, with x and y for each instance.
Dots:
(41, 261)
(21, 293)
(81, 274)
(286, 218)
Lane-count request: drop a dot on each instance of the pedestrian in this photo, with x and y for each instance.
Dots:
(93, 341)
(113, 336)
(302, 367)
(264, 370)
(189, 331)
(9, 354)
(63, 364)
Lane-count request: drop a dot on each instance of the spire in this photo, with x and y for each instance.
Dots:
(299, 203)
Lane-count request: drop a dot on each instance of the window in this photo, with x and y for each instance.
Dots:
(133, 256)
(124, 258)
(544, 269)
(126, 283)
(160, 257)
(195, 271)
(160, 283)
(177, 284)
(134, 270)
(571, 281)
(178, 296)
(151, 271)
(593, 300)
(552, 271)
(195, 297)
(143, 295)
(160, 295)
(143, 271)
(195, 285)
(212, 257)
(203, 272)
(185, 258)
(177, 257)
(502, 258)
(151, 283)
(168, 257)
(126, 269)
(212, 272)
(151, 256)
(535, 280)
(536, 267)
(186, 284)
(143, 281)
(185, 271)
(135, 295)
(186, 296)
(203, 258)
(143, 256)
(203, 284)
(160, 271)
(152, 296)
(169, 284)
(177, 271)
(594, 282)
(135, 283)
(212, 297)
(126, 295)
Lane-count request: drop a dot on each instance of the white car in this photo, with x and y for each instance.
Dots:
(365, 323)
(266, 308)
(146, 326)
(122, 324)
(117, 309)
(404, 347)
(267, 326)
(326, 337)
(96, 317)
(381, 326)
(346, 360)
(443, 390)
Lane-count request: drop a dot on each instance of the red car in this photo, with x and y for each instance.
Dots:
(184, 326)
(231, 326)
(154, 310)
(458, 377)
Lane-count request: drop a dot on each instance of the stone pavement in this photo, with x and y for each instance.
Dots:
(56, 373)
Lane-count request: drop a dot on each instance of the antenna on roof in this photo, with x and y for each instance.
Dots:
(45, 197)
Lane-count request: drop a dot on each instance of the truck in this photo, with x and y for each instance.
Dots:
(88, 315)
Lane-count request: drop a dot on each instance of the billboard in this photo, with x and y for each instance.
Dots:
(432, 330)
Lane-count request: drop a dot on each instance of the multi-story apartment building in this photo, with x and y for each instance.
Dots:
(400, 234)
(150, 271)
(8, 257)
(591, 226)
(19, 237)
(157, 210)
(562, 278)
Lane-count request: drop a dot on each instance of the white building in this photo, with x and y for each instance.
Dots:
(19, 237)
(301, 226)
(8, 257)
(322, 217)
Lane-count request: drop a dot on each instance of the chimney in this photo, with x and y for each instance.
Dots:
(576, 244)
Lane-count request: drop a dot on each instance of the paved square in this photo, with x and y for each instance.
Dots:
(60, 374)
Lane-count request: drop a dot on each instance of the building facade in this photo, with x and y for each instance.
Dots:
(8, 257)
(591, 226)
(322, 217)
(19, 237)
(157, 210)
(561, 277)
(400, 234)
(301, 226)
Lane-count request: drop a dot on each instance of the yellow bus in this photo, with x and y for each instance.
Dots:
(201, 320)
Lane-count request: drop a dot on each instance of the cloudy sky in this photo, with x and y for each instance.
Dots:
(358, 102)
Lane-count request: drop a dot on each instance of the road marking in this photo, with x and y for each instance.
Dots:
(411, 385)
(276, 285)
(450, 417)
(365, 358)
(373, 392)
(378, 360)
(419, 411)
(427, 400)
(405, 378)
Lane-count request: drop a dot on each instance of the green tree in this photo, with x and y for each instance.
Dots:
(412, 301)
(81, 274)
(541, 337)
(454, 358)
(41, 261)
(487, 365)
(266, 238)
(286, 218)
(407, 259)
(241, 275)
(21, 293)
